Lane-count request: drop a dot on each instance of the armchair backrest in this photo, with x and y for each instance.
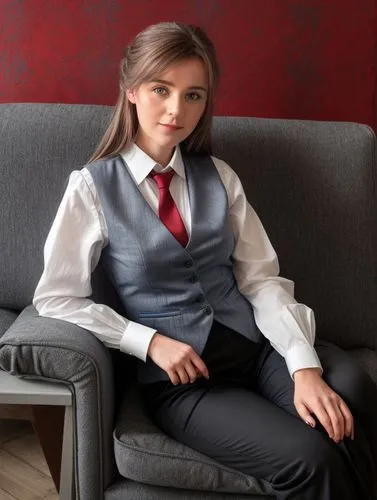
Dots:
(312, 184)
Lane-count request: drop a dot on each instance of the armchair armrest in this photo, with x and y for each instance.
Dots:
(43, 348)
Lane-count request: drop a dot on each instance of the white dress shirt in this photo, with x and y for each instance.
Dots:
(79, 233)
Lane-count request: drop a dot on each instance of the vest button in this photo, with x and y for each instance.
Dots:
(207, 310)
(187, 263)
(193, 278)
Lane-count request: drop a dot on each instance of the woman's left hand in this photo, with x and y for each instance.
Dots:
(314, 396)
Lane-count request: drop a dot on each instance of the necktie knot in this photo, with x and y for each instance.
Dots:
(162, 180)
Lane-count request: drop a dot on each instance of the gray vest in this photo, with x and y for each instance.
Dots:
(178, 291)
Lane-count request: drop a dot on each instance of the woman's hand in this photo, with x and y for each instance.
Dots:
(177, 359)
(314, 396)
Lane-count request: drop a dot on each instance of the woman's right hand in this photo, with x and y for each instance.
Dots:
(177, 359)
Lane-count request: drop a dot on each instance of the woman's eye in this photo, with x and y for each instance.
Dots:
(193, 96)
(160, 91)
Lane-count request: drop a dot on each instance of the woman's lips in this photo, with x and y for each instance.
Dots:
(171, 127)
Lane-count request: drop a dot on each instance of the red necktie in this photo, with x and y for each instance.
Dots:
(167, 209)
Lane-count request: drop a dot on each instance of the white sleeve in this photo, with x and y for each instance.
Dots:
(71, 253)
(288, 325)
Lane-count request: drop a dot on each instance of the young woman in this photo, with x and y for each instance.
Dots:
(227, 358)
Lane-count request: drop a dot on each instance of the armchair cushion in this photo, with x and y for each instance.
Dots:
(6, 319)
(145, 454)
(124, 488)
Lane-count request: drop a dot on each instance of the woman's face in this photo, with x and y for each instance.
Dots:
(169, 107)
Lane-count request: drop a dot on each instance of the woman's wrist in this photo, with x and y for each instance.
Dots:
(154, 340)
(305, 373)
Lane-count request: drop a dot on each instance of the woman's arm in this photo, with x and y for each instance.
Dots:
(71, 253)
(289, 326)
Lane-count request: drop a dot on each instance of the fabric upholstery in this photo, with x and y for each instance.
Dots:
(124, 489)
(145, 454)
(40, 145)
(44, 348)
(6, 319)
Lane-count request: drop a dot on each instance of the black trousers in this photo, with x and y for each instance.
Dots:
(244, 417)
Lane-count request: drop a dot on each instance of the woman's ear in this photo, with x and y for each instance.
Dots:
(131, 95)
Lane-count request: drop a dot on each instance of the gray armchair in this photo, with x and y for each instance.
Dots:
(313, 185)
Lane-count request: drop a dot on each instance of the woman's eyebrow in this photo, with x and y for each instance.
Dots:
(171, 84)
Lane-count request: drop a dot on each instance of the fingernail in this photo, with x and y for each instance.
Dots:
(310, 423)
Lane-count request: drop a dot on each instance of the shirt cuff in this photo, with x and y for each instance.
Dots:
(136, 340)
(300, 357)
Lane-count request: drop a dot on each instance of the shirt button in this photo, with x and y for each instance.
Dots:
(187, 263)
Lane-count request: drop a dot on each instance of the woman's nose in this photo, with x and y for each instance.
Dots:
(174, 106)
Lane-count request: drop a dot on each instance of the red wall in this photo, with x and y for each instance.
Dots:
(312, 59)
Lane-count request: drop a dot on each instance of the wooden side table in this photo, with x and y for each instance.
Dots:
(18, 391)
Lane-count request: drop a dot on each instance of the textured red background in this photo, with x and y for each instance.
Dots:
(312, 59)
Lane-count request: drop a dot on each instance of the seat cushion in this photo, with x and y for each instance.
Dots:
(7, 317)
(125, 488)
(145, 454)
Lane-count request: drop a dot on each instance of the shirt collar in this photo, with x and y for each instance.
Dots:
(140, 164)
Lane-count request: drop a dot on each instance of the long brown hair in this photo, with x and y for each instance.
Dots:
(150, 53)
